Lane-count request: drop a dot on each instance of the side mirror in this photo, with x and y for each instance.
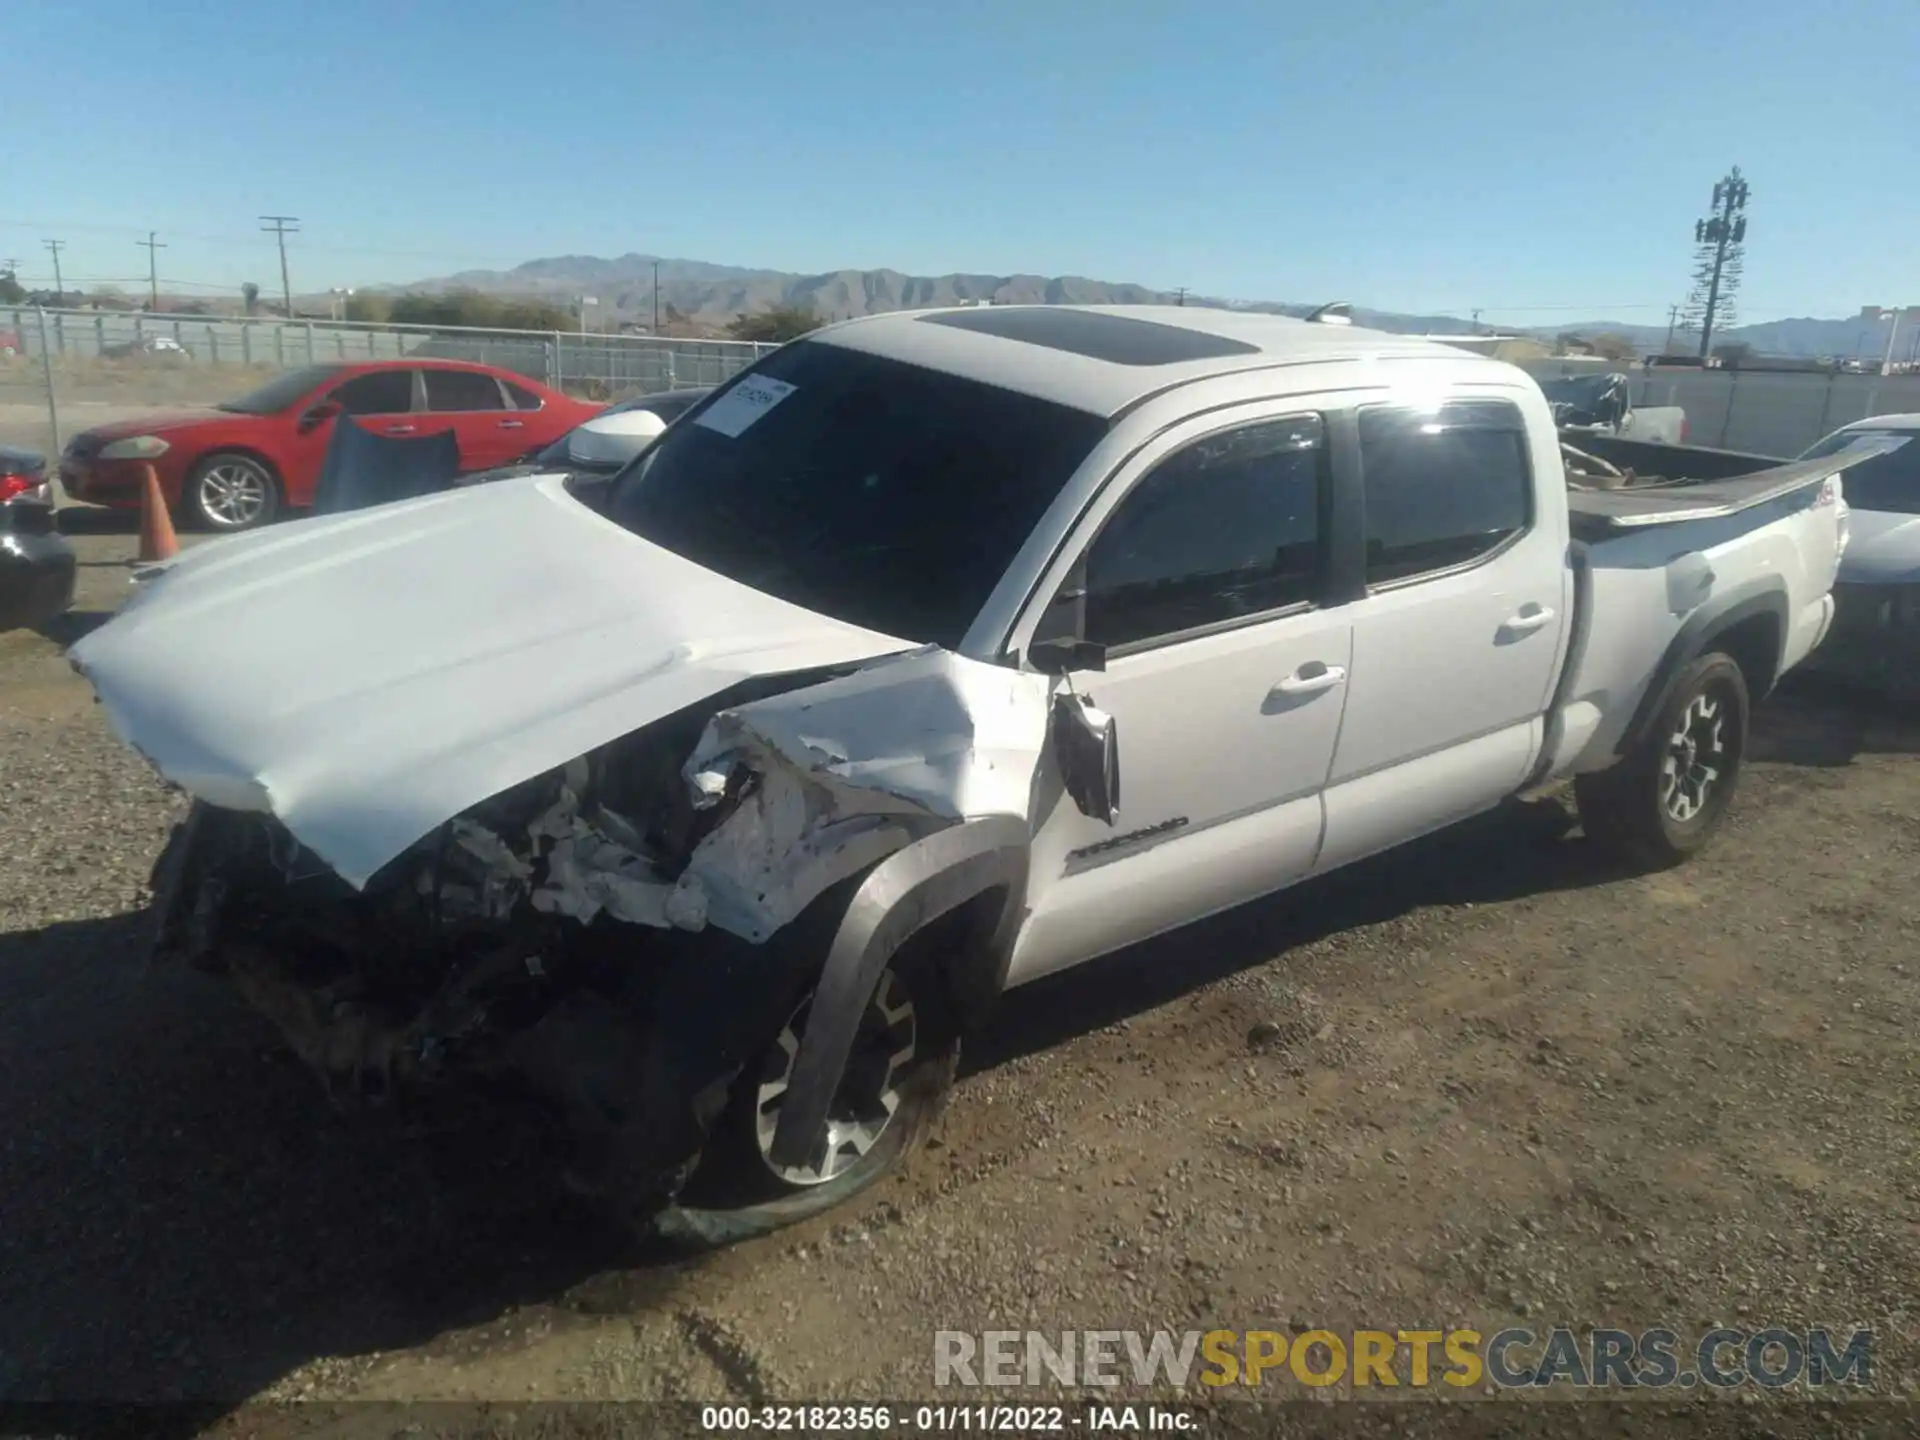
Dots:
(1063, 657)
(318, 415)
(608, 442)
(605, 452)
(1087, 746)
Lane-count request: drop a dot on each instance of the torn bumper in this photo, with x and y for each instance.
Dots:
(627, 932)
(631, 1036)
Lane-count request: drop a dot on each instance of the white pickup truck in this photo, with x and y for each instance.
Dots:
(938, 652)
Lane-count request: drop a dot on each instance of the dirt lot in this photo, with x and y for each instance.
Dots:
(1481, 1082)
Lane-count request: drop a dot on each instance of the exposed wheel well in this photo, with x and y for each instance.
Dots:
(956, 944)
(1755, 644)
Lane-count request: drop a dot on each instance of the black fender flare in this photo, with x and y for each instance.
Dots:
(1764, 596)
(901, 896)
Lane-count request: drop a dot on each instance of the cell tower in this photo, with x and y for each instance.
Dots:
(1720, 252)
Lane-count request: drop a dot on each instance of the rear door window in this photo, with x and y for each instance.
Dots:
(454, 391)
(1443, 488)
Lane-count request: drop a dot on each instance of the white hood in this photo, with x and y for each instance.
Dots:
(365, 677)
(1884, 548)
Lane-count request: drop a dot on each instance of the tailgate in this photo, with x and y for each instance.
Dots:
(1673, 501)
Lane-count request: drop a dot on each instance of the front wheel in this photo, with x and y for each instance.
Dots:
(891, 1093)
(230, 491)
(1663, 803)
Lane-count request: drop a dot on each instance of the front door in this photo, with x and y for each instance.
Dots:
(1199, 569)
(1460, 636)
(379, 400)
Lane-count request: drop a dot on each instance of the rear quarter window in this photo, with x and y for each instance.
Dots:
(522, 398)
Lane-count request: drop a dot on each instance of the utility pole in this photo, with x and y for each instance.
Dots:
(278, 227)
(1893, 338)
(53, 248)
(1180, 295)
(154, 247)
(656, 297)
(1721, 247)
(1673, 318)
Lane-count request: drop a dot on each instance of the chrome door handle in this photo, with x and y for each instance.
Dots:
(1312, 678)
(1527, 620)
(513, 424)
(399, 429)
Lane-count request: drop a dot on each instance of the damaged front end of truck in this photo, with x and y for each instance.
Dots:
(616, 861)
(622, 934)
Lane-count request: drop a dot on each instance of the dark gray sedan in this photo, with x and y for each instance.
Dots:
(36, 562)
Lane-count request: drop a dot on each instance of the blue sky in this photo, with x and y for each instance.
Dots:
(1529, 158)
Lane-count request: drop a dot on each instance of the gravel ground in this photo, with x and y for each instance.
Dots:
(1480, 1082)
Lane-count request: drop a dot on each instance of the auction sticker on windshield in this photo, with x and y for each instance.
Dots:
(745, 403)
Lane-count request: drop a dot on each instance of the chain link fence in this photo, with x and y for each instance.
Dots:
(63, 369)
(95, 365)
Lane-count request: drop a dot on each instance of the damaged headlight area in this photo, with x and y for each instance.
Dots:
(457, 947)
(625, 935)
(574, 880)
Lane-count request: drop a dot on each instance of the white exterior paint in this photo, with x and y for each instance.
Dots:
(611, 440)
(1105, 388)
(368, 677)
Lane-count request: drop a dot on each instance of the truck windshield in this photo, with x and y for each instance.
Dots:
(1888, 483)
(879, 493)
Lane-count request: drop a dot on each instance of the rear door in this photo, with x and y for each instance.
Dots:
(472, 405)
(1460, 635)
(1202, 571)
(380, 400)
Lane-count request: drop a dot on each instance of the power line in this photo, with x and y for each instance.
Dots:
(276, 225)
(229, 236)
(154, 247)
(167, 281)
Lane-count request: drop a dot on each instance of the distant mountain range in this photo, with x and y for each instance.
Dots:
(708, 296)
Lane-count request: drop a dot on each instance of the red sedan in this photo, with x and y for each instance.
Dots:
(239, 464)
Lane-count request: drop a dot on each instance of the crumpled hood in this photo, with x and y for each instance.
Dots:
(1884, 548)
(365, 677)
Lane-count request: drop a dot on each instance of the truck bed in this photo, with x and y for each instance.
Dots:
(1690, 483)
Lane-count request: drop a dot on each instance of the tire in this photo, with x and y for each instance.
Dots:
(230, 491)
(907, 1048)
(1664, 802)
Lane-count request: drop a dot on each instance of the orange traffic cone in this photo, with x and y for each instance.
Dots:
(157, 540)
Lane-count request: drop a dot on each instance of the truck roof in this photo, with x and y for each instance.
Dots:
(1106, 358)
